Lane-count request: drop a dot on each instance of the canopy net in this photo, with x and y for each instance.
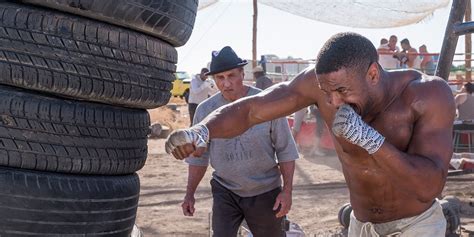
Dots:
(205, 3)
(356, 13)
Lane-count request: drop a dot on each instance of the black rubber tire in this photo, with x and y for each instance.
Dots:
(452, 217)
(52, 134)
(454, 202)
(49, 204)
(170, 20)
(344, 215)
(77, 58)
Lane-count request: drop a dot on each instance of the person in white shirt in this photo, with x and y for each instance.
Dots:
(386, 51)
(200, 89)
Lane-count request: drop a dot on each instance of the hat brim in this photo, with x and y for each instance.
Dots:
(241, 64)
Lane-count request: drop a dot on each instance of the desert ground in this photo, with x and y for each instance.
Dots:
(319, 191)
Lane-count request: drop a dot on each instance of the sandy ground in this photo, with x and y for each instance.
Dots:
(319, 191)
(173, 119)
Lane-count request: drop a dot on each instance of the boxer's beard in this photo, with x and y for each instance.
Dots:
(366, 107)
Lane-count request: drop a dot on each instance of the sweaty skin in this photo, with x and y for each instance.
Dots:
(414, 113)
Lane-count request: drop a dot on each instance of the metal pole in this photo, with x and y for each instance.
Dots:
(450, 39)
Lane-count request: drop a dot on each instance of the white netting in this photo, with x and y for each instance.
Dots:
(356, 13)
(205, 3)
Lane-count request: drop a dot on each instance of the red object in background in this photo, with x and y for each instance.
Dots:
(467, 166)
(306, 138)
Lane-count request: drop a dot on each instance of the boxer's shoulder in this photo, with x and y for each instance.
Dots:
(428, 95)
(429, 88)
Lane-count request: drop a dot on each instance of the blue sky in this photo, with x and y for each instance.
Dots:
(229, 22)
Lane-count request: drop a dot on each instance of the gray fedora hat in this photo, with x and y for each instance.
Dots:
(224, 60)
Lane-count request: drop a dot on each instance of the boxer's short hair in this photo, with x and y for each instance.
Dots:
(346, 50)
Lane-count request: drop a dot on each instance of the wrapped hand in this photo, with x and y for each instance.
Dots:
(349, 125)
(183, 142)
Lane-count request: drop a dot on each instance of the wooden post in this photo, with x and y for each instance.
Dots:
(468, 44)
(450, 39)
(254, 35)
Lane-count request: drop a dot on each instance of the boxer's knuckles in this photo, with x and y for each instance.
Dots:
(175, 139)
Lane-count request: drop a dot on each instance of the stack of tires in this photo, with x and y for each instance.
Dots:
(76, 78)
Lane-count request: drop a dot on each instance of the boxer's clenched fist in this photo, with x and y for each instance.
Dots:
(184, 142)
(349, 125)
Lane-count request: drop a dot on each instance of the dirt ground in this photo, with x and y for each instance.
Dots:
(319, 191)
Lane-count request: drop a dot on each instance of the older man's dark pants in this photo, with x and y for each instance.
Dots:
(229, 210)
(192, 110)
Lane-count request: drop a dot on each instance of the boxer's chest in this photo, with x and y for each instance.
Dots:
(396, 124)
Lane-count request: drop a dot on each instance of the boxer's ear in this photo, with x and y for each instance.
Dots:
(373, 74)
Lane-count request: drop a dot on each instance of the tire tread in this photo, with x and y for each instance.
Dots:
(83, 59)
(50, 134)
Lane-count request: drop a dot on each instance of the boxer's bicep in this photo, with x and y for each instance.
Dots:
(434, 144)
(432, 132)
(275, 102)
(285, 98)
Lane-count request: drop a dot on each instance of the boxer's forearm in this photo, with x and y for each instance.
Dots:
(414, 173)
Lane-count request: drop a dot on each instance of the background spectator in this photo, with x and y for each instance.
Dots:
(465, 103)
(427, 63)
(409, 57)
(262, 81)
(386, 59)
(299, 117)
(200, 89)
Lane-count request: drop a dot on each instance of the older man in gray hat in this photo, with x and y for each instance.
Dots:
(246, 183)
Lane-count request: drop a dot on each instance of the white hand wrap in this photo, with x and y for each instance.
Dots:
(197, 135)
(349, 125)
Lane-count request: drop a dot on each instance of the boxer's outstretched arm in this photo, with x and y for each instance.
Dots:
(282, 99)
(235, 118)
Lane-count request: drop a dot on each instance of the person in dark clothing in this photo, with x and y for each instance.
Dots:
(262, 81)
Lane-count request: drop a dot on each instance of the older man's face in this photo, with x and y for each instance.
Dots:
(230, 83)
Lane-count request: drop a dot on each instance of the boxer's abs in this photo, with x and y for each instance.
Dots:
(376, 199)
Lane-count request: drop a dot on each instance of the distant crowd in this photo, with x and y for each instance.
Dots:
(392, 57)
